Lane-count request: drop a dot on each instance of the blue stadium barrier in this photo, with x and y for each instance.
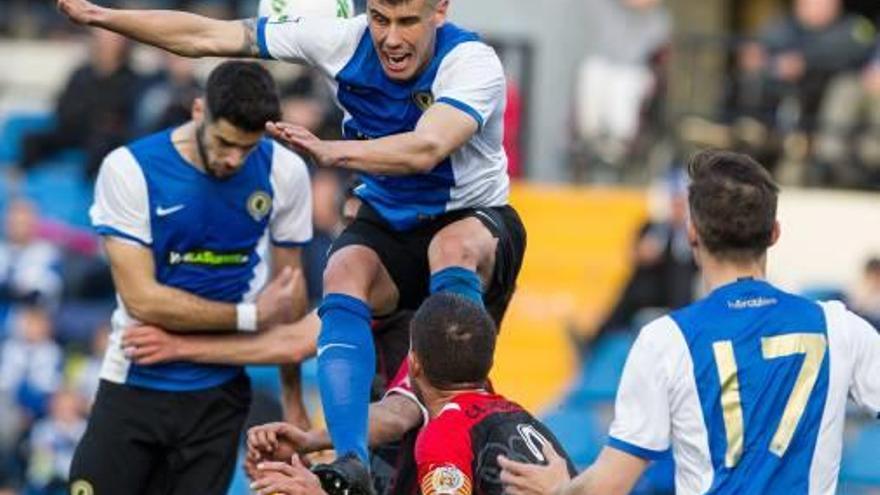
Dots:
(860, 465)
(14, 127)
(579, 430)
(600, 371)
(60, 190)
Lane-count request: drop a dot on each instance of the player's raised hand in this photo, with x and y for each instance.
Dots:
(302, 140)
(79, 11)
(534, 479)
(147, 345)
(275, 303)
(281, 478)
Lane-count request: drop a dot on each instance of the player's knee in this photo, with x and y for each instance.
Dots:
(453, 250)
(350, 272)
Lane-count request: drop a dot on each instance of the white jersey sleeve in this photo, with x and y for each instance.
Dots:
(325, 43)
(291, 222)
(865, 348)
(642, 423)
(121, 207)
(472, 79)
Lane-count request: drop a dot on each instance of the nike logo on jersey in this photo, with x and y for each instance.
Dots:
(331, 346)
(164, 212)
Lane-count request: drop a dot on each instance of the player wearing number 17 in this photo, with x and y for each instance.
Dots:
(748, 386)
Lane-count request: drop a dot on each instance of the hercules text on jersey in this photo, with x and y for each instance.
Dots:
(209, 237)
(749, 389)
(464, 73)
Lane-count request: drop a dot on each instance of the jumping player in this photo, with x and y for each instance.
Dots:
(424, 103)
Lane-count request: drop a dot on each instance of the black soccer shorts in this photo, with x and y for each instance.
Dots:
(142, 441)
(405, 254)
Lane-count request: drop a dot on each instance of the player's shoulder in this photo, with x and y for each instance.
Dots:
(661, 334)
(286, 164)
(120, 164)
(456, 43)
(844, 323)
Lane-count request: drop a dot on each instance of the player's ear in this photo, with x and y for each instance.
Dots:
(774, 235)
(198, 110)
(415, 367)
(693, 237)
(440, 11)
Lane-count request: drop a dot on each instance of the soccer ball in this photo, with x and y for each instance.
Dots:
(307, 8)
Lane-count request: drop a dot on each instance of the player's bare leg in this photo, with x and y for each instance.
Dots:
(462, 257)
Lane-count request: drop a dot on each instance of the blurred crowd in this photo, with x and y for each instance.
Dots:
(56, 292)
(804, 96)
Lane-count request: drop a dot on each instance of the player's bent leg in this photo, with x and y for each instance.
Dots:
(121, 448)
(461, 257)
(346, 356)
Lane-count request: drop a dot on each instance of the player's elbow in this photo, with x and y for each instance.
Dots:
(431, 151)
(141, 305)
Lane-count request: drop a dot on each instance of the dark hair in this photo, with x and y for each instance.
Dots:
(454, 340)
(873, 264)
(395, 3)
(244, 94)
(733, 204)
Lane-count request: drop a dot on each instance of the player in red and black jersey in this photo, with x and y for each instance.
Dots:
(453, 342)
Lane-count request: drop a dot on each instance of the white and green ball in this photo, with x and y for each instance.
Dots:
(307, 8)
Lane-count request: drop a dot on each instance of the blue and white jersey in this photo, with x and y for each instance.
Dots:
(748, 387)
(209, 237)
(464, 73)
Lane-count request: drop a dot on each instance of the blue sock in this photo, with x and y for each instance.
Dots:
(346, 365)
(458, 280)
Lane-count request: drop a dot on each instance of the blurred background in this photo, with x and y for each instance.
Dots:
(606, 100)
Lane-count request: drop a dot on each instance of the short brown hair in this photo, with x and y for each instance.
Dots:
(732, 203)
(454, 340)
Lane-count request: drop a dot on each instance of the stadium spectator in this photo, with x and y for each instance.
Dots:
(614, 81)
(167, 99)
(30, 362)
(847, 148)
(29, 267)
(717, 382)
(785, 72)
(865, 297)
(52, 443)
(94, 111)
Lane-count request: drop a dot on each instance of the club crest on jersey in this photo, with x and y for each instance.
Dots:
(258, 205)
(423, 100)
(81, 487)
(445, 480)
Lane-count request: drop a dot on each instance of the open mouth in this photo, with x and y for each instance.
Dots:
(397, 63)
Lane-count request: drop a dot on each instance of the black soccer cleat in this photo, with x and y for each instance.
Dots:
(347, 475)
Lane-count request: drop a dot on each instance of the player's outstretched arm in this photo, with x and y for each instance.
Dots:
(441, 130)
(185, 34)
(390, 419)
(150, 302)
(281, 344)
(614, 473)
